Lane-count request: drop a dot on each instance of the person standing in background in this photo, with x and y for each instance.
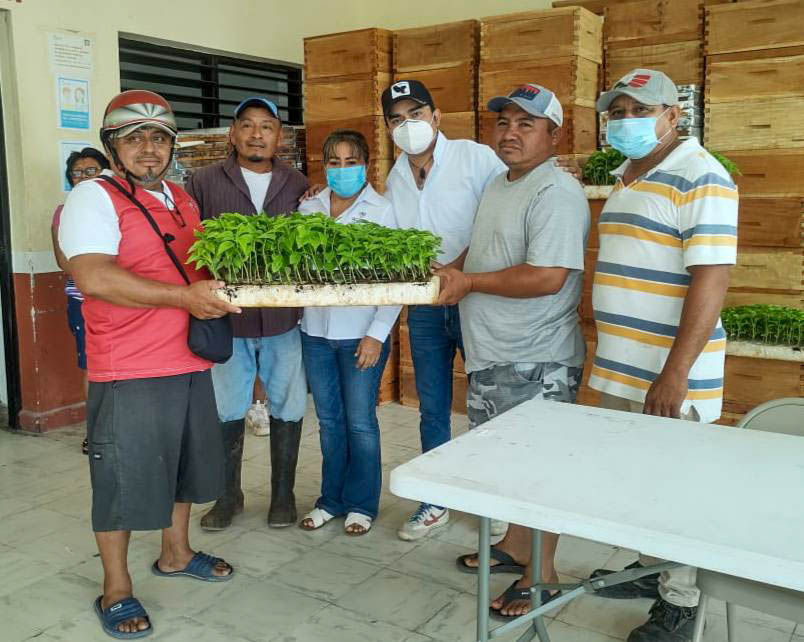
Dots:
(81, 166)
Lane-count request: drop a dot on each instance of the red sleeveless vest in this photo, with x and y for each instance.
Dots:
(135, 343)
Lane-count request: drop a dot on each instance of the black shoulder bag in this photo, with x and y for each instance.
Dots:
(210, 339)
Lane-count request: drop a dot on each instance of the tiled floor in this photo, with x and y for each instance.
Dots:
(292, 586)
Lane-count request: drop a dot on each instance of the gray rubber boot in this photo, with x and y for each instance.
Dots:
(231, 502)
(285, 438)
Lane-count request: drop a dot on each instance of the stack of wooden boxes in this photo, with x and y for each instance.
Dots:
(444, 58)
(560, 49)
(345, 75)
(755, 117)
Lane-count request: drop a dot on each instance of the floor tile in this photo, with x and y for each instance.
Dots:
(32, 524)
(257, 554)
(579, 557)
(716, 631)
(562, 632)
(379, 546)
(53, 600)
(434, 560)
(615, 618)
(414, 601)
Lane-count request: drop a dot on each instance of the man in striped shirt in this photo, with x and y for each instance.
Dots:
(668, 234)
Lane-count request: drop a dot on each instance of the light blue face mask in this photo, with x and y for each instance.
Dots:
(634, 137)
(346, 181)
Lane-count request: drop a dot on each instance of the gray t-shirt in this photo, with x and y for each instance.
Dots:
(541, 219)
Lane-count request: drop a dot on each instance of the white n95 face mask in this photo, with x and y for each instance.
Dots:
(413, 136)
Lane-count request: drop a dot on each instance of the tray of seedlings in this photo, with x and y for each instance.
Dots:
(303, 260)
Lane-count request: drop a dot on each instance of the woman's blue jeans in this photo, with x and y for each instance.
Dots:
(346, 405)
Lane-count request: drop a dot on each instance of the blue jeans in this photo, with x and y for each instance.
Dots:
(346, 404)
(278, 362)
(435, 334)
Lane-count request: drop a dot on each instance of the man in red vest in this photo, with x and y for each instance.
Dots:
(155, 443)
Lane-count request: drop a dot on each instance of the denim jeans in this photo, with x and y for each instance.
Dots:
(346, 404)
(278, 362)
(435, 334)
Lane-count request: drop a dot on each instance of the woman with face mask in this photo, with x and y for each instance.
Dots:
(345, 350)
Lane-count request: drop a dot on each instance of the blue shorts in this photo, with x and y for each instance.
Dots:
(76, 321)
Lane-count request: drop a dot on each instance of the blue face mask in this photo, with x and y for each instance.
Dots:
(634, 137)
(346, 181)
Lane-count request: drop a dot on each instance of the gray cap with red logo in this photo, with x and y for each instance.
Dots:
(647, 86)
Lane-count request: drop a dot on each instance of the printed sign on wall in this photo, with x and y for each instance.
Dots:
(73, 100)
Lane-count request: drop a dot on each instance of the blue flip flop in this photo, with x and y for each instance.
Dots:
(201, 567)
(126, 609)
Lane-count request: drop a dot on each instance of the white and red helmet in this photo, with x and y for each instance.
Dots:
(135, 108)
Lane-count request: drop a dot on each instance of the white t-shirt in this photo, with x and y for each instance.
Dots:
(89, 223)
(447, 204)
(257, 186)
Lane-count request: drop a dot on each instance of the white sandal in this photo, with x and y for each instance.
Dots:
(357, 519)
(318, 516)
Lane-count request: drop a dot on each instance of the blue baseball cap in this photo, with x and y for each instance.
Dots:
(534, 99)
(257, 101)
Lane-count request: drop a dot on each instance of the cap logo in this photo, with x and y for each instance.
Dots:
(639, 80)
(526, 91)
(400, 89)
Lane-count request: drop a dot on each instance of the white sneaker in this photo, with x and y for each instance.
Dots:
(498, 527)
(425, 519)
(257, 419)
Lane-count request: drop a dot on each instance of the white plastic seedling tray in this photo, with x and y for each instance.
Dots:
(302, 296)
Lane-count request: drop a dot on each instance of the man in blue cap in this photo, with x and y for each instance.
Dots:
(519, 287)
(267, 340)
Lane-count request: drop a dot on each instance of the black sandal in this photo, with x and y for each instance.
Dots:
(507, 564)
(512, 594)
(85, 446)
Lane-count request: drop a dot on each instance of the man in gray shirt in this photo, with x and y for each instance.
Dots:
(519, 289)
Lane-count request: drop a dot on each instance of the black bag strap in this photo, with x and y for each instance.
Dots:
(166, 238)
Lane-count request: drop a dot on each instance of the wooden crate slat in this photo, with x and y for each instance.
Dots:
(755, 124)
(738, 296)
(769, 269)
(644, 22)
(573, 79)
(452, 88)
(442, 45)
(458, 125)
(750, 382)
(729, 76)
(682, 61)
(769, 172)
(573, 31)
(595, 6)
(579, 131)
(372, 127)
(771, 222)
(345, 97)
(377, 173)
(365, 51)
(748, 26)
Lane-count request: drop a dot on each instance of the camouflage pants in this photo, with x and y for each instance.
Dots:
(495, 390)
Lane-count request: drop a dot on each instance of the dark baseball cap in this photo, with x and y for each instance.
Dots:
(406, 90)
(257, 101)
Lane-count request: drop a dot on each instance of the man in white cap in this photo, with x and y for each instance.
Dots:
(668, 234)
(519, 289)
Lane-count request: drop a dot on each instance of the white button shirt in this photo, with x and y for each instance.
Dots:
(447, 204)
(352, 322)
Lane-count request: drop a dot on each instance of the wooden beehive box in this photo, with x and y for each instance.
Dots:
(362, 52)
(766, 275)
(771, 222)
(579, 131)
(452, 88)
(573, 79)
(377, 172)
(372, 127)
(769, 172)
(755, 124)
(653, 22)
(766, 74)
(682, 61)
(345, 97)
(458, 125)
(750, 382)
(573, 31)
(389, 383)
(750, 26)
(595, 6)
(437, 46)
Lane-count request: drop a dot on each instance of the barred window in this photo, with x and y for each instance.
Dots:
(204, 88)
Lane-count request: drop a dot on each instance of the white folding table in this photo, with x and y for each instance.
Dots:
(709, 496)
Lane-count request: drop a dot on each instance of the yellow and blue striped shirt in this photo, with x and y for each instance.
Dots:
(681, 213)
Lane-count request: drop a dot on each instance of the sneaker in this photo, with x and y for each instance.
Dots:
(667, 623)
(425, 519)
(257, 419)
(647, 586)
(498, 527)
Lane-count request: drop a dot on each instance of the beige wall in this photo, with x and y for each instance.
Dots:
(265, 28)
